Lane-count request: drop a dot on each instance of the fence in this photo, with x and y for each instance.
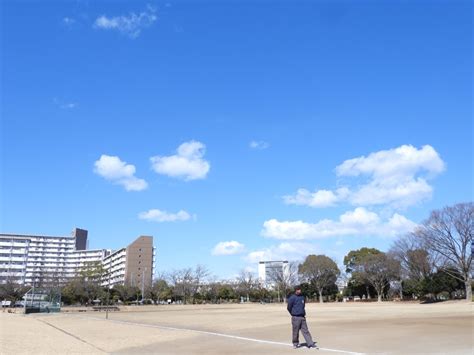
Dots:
(42, 300)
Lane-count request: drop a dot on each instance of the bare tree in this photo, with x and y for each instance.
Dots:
(415, 260)
(448, 234)
(12, 291)
(187, 282)
(211, 288)
(199, 275)
(246, 283)
(182, 282)
(161, 275)
(321, 271)
(284, 278)
(378, 270)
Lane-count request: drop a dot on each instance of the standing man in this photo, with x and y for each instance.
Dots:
(298, 320)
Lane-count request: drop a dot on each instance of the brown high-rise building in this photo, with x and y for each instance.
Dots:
(133, 265)
(139, 262)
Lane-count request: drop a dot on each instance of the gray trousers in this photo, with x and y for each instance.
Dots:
(297, 324)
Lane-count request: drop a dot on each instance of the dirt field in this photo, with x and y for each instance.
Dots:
(388, 328)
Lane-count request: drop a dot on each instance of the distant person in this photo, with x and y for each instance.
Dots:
(298, 320)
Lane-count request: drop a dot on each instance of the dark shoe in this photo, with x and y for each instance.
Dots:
(296, 346)
(314, 346)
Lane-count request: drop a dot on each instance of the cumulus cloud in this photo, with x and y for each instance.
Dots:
(228, 248)
(405, 160)
(321, 198)
(155, 215)
(119, 172)
(396, 177)
(130, 25)
(261, 145)
(282, 251)
(359, 222)
(187, 164)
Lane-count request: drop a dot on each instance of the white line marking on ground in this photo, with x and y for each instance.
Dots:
(216, 334)
(71, 335)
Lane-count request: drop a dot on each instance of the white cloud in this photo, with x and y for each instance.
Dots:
(119, 172)
(360, 216)
(404, 192)
(397, 177)
(405, 160)
(398, 224)
(187, 164)
(359, 222)
(228, 248)
(130, 25)
(283, 251)
(155, 215)
(321, 198)
(259, 145)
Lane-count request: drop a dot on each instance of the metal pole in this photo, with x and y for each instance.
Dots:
(143, 285)
(108, 296)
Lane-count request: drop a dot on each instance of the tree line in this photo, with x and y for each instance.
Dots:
(432, 262)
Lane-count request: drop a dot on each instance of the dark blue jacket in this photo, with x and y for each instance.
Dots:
(296, 305)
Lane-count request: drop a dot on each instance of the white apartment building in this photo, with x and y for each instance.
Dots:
(39, 259)
(114, 264)
(35, 259)
(13, 257)
(268, 271)
(78, 259)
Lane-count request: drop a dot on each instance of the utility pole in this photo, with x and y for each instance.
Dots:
(108, 294)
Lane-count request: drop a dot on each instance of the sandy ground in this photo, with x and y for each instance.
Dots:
(371, 328)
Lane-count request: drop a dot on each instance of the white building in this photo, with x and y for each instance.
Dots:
(115, 264)
(13, 257)
(270, 271)
(39, 259)
(30, 259)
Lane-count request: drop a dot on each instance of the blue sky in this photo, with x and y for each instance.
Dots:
(234, 131)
